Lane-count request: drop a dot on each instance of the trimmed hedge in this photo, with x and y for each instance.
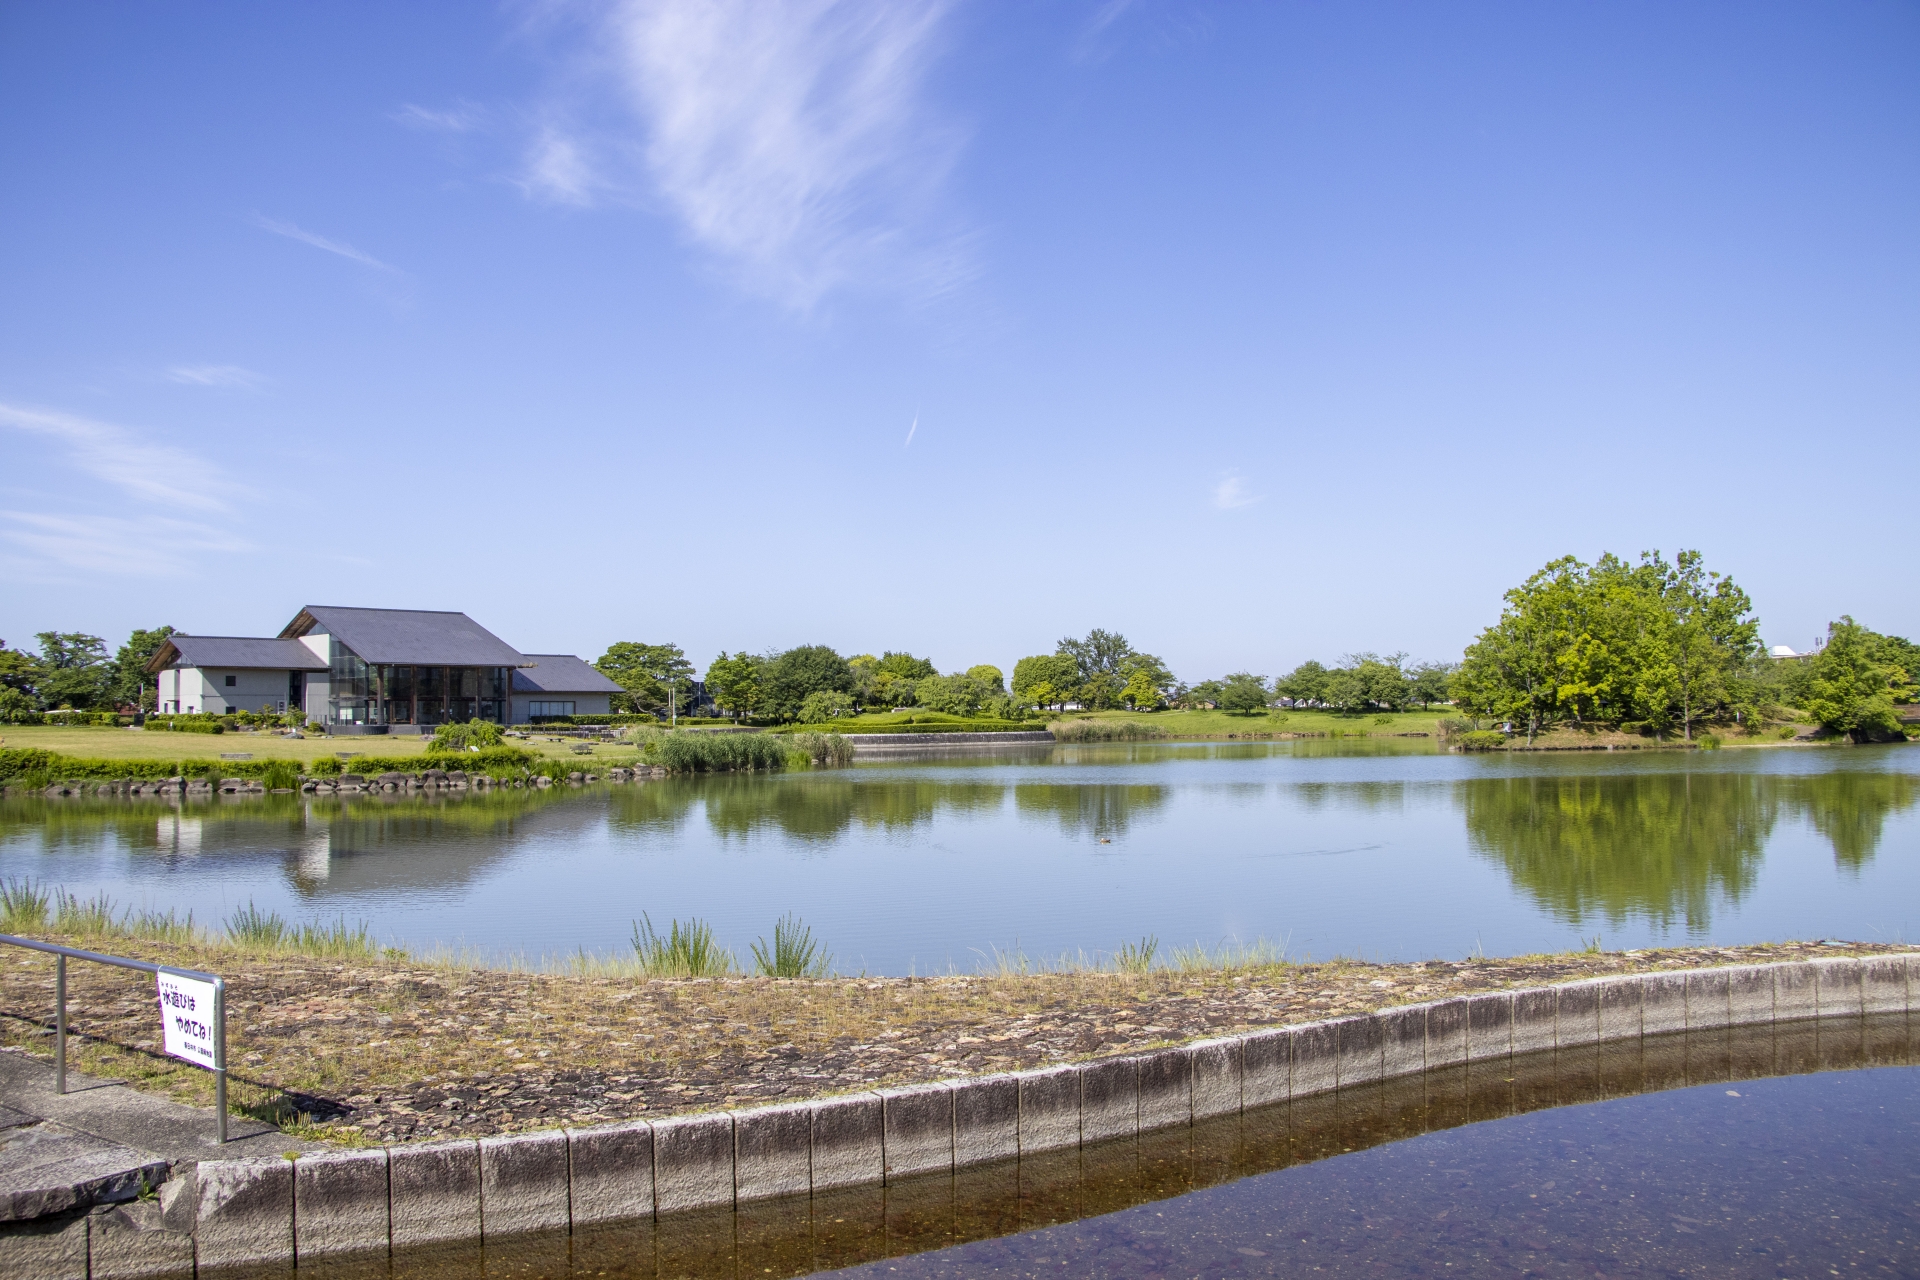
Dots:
(947, 726)
(38, 767)
(612, 717)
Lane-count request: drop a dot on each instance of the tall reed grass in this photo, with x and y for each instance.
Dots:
(691, 752)
(1104, 731)
(830, 749)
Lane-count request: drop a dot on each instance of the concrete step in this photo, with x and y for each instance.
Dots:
(47, 1168)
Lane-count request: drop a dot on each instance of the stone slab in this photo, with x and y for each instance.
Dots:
(849, 1141)
(1883, 984)
(1214, 1067)
(1403, 1041)
(692, 1162)
(433, 1192)
(1709, 999)
(1794, 992)
(1049, 1109)
(1837, 987)
(1359, 1044)
(1576, 1014)
(52, 1248)
(1750, 994)
(918, 1127)
(1266, 1068)
(48, 1168)
(1109, 1099)
(1316, 1059)
(610, 1173)
(986, 1120)
(1489, 1026)
(244, 1212)
(136, 1242)
(523, 1184)
(1166, 1089)
(1663, 1003)
(772, 1152)
(1534, 1014)
(340, 1203)
(1621, 1002)
(1446, 1033)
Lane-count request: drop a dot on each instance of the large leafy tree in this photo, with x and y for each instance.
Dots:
(809, 668)
(736, 683)
(1100, 661)
(19, 680)
(74, 670)
(1428, 682)
(131, 683)
(1243, 692)
(1848, 689)
(1045, 680)
(650, 674)
(1305, 684)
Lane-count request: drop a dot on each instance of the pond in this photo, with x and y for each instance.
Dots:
(1380, 849)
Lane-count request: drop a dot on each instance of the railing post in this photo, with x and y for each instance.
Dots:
(220, 1054)
(59, 1024)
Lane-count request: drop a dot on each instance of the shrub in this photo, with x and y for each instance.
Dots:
(326, 767)
(186, 724)
(794, 953)
(824, 704)
(1104, 731)
(280, 774)
(688, 951)
(1708, 742)
(823, 748)
(459, 737)
(1481, 740)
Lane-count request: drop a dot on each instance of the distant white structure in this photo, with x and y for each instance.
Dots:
(1783, 651)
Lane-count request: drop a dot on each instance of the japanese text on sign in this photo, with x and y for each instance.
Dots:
(186, 1018)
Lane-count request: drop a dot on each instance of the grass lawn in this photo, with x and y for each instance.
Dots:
(1218, 724)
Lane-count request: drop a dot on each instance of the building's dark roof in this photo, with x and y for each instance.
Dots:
(426, 637)
(235, 651)
(560, 673)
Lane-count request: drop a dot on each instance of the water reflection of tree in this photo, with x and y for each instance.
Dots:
(1650, 846)
(1850, 808)
(1656, 846)
(1097, 810)
(1348, 795)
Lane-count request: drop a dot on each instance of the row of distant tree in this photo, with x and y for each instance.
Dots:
(73, 669)
(810, 683)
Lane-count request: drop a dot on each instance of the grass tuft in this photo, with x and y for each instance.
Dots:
(252, 927)
(1104, 731)
(687, 951)
(23, 905)
(794, 953)
(92, 917)
(1136, 957)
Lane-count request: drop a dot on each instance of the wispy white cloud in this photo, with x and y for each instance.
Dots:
(215, 375)
(460, 119)
(40, 543)
(557, 169)
(1232, 492)
(340, 247)
(151, 472)
(794, 140)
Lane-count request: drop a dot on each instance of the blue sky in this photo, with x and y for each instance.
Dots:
(1257, 333)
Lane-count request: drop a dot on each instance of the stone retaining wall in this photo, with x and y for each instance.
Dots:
(865, 742)
(347, 1202)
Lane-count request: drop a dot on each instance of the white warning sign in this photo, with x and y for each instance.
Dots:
(186, 1018)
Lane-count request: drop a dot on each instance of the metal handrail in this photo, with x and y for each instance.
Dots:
(61, 954)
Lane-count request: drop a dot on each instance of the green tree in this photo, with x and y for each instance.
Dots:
(131, 683)
(824, 704)
(647, 672)
(74, 670)
(735, 683)
(1848, 691)
(988, 675)
(1243, 692)
(1428, 682)
(808, 668)
(1100, 661)
(1305, 684)
(1141, 693)
(1381, 682)
(1045, 680)
(19, 681)
(1708, 634)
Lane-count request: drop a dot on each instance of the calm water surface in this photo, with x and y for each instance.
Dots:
(1379, 849)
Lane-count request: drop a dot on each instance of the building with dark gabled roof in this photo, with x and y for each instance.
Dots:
(376, 671)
